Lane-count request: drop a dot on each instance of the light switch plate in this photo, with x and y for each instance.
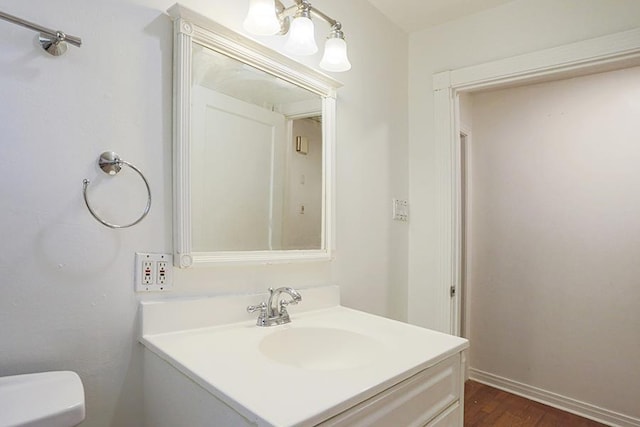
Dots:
(400, 210)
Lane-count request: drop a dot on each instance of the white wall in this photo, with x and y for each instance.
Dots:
(515, 28)
(554, 237)
(66, 291)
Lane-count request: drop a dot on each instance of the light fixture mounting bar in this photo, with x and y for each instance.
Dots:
(286, 12)
(323, 16)
(314, 11)
(295, 21)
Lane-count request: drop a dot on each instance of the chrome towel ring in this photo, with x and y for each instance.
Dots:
(111, 164)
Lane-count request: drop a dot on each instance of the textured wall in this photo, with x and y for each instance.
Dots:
(66, 282)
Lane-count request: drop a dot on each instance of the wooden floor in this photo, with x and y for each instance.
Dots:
(486, 406)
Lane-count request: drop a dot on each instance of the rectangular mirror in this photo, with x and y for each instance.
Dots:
(254, 139)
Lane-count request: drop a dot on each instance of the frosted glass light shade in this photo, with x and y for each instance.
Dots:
(335, 56)
(261, 19)
(301, 39)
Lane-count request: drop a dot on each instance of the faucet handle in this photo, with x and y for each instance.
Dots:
(262, 307)
(263, 317)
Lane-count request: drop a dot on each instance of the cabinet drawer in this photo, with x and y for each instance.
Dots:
(451, 417)
(413, 402)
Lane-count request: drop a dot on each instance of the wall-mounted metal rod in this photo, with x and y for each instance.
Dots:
(76, 41)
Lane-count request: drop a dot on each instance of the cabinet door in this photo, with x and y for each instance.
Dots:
(413, 402)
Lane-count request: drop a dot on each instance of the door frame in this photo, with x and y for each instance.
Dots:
(460, 303)
(611, 52)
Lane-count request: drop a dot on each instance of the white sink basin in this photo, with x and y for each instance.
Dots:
(322, 349)
(328, 359)
(46, 399)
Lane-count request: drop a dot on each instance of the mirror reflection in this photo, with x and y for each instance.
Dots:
(256, 159)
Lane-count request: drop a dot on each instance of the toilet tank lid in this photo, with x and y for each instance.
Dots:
(53, 398)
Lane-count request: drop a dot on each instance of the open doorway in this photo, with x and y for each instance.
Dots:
(614, 52)
(554, 231)
(611, 52)
(563, 186)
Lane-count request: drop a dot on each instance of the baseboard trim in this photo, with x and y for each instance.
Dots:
(568, 404)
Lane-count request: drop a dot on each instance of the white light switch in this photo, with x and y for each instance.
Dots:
(400, 210)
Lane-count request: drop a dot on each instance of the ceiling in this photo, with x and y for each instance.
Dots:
(414, 15)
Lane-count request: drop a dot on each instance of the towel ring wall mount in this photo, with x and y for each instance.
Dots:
(111, 164)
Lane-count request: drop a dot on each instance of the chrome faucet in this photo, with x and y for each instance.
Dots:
(274, 312)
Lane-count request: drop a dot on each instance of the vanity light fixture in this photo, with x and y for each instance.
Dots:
(270, 17)
(301, 39)
(335, 51)
(262, 19)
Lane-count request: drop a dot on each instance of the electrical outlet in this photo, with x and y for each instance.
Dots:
(147, 272)
(161, 277)
(153, 272)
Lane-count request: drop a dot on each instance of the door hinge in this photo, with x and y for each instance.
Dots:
(452, 291)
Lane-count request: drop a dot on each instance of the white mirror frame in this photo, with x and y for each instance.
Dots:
(190, 27)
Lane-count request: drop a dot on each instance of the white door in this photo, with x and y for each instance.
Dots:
(247, 213)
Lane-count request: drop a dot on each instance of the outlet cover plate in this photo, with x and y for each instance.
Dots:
(158, 283)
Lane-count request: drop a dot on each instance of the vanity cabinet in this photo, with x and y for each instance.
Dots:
(342, 368)
(431, 398)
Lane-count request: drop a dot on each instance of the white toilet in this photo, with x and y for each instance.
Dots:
(45, 399)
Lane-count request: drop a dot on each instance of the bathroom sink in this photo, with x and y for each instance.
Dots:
(45, 399)
(328, 359)
(322, 349)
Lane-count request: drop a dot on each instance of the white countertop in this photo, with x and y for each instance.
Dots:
(226, 360)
